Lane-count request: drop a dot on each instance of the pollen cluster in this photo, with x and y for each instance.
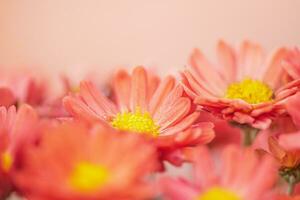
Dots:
(88, 177)
(249, 90)
(136, 122)
(218, 193)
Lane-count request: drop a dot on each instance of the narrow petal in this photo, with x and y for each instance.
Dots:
(199, 89)
(293, 108)
(179, 109)
(265, 177)
(11, 116)
(292, 63)
(153, 83)
(80, 110)
(250, 60)
(177, 189)
(161, 93)
(286, 93)
(121, 89)
(274, 72)
(7, 121)
(201, 134)
(187, 86)
(227, 59)
(292, 84)
(229, 166)
(22, 130)
(248, 167)
(277, 151)
(290, 141)
(96, 100)
(262, 110)
(262, 123)
(168, 102)
(7, 97)
(138, 95)
(243, 118)
(207, 72)
(182, 125)
(203, 179)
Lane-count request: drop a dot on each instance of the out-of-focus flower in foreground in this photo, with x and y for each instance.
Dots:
(16, 130)
(286, 197)
(246, 88)
(74, 162)
(143, 104)
(239, 174)
(284, 145)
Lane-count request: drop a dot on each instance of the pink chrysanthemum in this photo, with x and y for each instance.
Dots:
(15, 131)
(143, 104)
(239, 174)
(72, 162)
(286, 158)
(245, 88)
(268, 142)
(22, 88)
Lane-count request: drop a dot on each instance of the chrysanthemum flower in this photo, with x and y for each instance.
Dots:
(239, 174)
(143, 104)
(284, 145)
(74, 162)
(268, 142)
(245, 88)
(15, 131)
(286, 158)
(22, 88)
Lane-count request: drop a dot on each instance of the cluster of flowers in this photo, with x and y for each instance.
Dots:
(235, 123)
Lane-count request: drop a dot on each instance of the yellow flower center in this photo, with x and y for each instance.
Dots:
(75, 89)
(6, 161)
(88, 177)
(249, 90)
(136, 122)
(218, 194)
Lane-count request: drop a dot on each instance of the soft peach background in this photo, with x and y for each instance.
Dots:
(77, 35)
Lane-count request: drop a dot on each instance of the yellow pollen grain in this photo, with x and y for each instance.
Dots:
(88, 177)
(218, 193)
(249, 90)
(6, 161)
(136, 122)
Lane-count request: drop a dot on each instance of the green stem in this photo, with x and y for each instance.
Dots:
(291, 176)
(249, 135)
(291, 185)
(290, 189)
